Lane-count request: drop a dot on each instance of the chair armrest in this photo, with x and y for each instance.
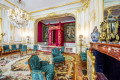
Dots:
(38, 74)
(44, 63)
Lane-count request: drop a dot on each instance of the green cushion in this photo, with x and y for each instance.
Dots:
(55, 52)
(14, 47)
(58, 59)
(5, 47)
(35, 48)
(50, 73)
(62, 49)
(44, 63)
(84, 58)
(37, 75)
(35, 63)
(20, 46)
(24, 48)
(7, 50)
(42, 66)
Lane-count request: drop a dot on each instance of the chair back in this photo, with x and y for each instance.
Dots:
(86, 50)
(34, 63)
(13, 46)
(55, 51)
(35, 47)
(62, 49)
(5, 47)
(24, 47)
(20, 46)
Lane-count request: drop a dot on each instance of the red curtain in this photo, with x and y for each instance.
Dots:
(39, 32)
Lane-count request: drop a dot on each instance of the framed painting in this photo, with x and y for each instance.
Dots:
(69, 32)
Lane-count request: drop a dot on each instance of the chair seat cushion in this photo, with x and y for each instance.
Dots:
(23, 50)
(34, 50)
(14, 49)
(44, 63)
(8, 50)
(84, 58)
(37, 75)
(58, 59)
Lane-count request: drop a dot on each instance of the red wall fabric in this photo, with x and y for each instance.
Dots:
(39, 32)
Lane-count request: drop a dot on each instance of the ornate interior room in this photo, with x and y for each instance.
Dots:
(59, 39)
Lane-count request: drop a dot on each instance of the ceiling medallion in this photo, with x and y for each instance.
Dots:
(18, 17)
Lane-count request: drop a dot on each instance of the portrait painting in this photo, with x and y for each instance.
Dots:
(69, 32)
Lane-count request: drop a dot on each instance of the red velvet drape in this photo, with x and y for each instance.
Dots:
(39, 39)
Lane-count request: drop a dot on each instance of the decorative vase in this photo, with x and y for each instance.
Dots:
(95, 34)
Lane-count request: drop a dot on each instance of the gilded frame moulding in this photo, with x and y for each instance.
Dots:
(3, 28)
(14, 35)
(78, 1)
(91, 74)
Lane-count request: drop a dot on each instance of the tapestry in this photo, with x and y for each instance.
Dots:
(69, 32)
(45, 32)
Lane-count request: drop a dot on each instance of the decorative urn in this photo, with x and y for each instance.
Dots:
(95, 35)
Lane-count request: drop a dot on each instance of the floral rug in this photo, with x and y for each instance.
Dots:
(15, 67)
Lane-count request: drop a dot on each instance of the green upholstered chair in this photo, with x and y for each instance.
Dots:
(6, 49)
(62, 49)
(35, 48)
(24, 48)
(57, 56)
(84, 55)
(37, 68)
(20, 46)
(56, 52)
(14, 48)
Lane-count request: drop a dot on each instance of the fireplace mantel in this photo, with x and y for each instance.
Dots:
(112, 50)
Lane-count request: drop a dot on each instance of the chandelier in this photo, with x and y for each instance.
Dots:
(18, 17)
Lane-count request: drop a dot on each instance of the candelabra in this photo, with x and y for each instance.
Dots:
(3, 34)
(81, 36)
(28, 39)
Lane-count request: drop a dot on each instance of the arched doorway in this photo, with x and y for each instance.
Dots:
(69, 40)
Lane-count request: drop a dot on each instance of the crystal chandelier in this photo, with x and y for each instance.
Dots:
(18, 17)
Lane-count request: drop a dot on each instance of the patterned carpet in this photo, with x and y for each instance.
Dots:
(15, 67)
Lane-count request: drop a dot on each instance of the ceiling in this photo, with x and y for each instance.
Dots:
(57, 20)
(34, 5)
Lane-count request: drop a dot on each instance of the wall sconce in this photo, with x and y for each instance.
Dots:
(28, 39)
(3, 34)
(81, 39)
